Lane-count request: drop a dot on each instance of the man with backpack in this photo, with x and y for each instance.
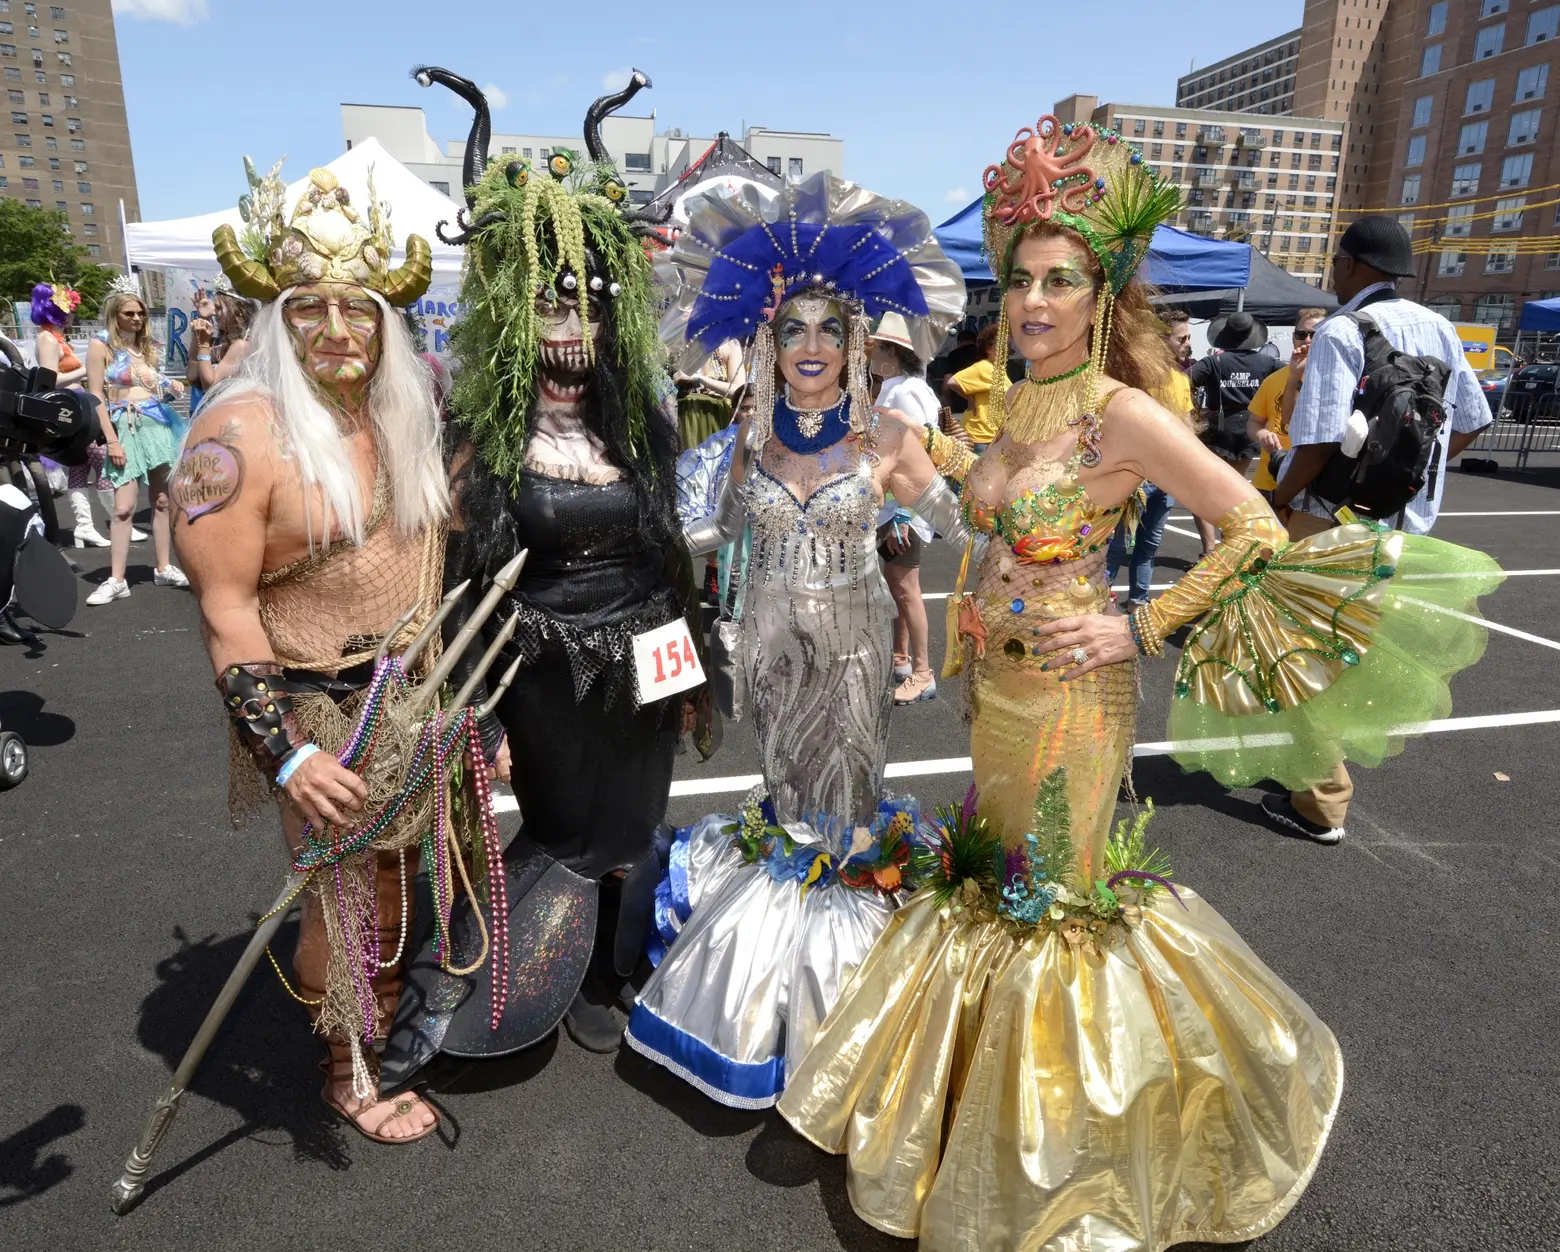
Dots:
(1388, 399)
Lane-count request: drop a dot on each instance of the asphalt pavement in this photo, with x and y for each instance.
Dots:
(1425, 940)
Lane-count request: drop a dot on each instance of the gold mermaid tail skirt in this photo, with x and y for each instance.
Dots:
(1008, 1094)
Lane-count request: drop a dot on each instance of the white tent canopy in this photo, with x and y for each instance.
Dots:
(185, 243)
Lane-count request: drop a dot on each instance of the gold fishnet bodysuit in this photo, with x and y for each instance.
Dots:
(1046, 560)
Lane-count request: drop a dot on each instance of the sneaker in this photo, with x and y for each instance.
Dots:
(917, 687)
(1283, 812)
(138, 536)
(170, 576)
(902, 667)
(110, 589)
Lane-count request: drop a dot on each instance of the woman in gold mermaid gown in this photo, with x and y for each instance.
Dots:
(1053, 1047)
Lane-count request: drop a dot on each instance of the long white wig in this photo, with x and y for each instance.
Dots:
(401, 405)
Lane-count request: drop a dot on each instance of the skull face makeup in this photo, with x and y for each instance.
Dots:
(564, 362)
(810, 334)
(336, 330)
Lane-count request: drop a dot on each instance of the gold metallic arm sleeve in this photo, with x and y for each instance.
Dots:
(1249, 537)
(949, 455)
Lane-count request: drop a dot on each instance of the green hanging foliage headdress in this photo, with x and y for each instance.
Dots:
(529, 231)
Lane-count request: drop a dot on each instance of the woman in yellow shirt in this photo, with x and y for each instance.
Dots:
(974, 384)
(1275, 401)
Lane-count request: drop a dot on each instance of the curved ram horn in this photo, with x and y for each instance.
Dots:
(250, 278)
(481, 125)
(606, 105)
(406, 283)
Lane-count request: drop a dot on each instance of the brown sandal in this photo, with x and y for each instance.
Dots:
(402, 1104)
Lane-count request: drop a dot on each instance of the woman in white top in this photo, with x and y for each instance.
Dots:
(901, 534)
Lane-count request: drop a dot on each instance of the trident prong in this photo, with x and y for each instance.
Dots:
(485, 709)
(401, 623)
(506, 632)
(426, 634)
(504, 583)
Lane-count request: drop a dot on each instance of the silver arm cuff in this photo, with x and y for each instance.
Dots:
(722, 526)
(939, 508)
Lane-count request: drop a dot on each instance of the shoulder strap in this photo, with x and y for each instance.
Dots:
(1378, 349)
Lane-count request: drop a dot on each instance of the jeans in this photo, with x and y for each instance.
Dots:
(1145, 546)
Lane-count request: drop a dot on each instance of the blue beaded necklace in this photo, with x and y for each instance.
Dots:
(836, 425)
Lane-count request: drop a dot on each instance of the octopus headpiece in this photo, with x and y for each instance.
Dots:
(1082, 176)
(535, 230)
(326, 240)
(740, 258)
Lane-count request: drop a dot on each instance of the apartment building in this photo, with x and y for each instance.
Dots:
(649, 160)
(68, 143)
(1272, 184)
(1258, 80)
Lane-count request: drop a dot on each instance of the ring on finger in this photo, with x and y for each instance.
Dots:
(1080, 656)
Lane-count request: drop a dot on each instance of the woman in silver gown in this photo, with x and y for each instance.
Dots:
(783, 900)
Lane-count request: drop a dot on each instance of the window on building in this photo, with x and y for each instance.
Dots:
(1416, 152)
(442, 188)
(1180, 130)
(5, 29)
(1272, 180)
(1430, 63)
(23, 141)
(1497, 309)
(57, 12)
(90, 230)
(26, 162)
(636, 162)
(62, 57)
(4, 182)
(793, 169)
(1531, 83)
(1410, 190)
(78, 145)
(67, 80)
(1517, 171)
(16, 97)
(47, 119)
(1294, 160)
(61, 36)
(1314, 161)
(1158, 152)
(59, 187)
(1449, 307)
(1294, 182)
(60, 207)
(73, 125)
(1406, 221)
(12, 74)
(1489, 41)
(1481, 95)
(1508, 214)
(1437, 23)
(1139, 126)
(1465, 179)
(508, 149)
(30, 184)
(1159, 130)
(1310, 202)
(81, 167)
(1490, 8)
(7, 49)
(51, 143)
(34, 204)
(1452, 264)
(1545, 24)
(87, 210)
(1304, 243)
(94, 249)
(1422, 109)
(83, 189)
(1523, 128)
(18, 119)
(774, 165)
(1470, 142)
(1552, 261)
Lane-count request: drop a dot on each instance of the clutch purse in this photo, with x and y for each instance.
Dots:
(728, 683)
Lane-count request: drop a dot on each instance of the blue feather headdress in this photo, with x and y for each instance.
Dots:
(746, 250)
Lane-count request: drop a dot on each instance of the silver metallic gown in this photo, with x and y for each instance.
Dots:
(769, 941)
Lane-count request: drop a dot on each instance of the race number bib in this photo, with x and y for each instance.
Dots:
(665, 661)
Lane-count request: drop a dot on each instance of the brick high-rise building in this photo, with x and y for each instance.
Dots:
(1257, 80)
(67, 146)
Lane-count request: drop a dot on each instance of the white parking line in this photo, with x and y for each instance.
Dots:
(1510, 573)
(732, 783)
(1496, 626)
(1186, 517)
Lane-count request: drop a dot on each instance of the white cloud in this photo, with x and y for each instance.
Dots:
(616, 80)
(179, 12)
(497, 97)
(957, 196)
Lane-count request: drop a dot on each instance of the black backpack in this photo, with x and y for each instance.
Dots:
(1403, 397)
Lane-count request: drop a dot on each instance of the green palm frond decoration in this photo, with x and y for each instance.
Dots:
(1134, 205)
(1050, 841)
(1127, 851)
(966, 858)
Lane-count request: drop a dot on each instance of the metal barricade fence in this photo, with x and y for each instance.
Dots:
(1525, 424)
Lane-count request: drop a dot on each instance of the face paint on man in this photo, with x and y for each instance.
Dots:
(810, 337)
(336, 332)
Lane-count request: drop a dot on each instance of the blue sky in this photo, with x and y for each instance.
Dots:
(925, 96)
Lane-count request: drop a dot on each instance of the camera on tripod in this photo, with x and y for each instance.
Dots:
(37, 418)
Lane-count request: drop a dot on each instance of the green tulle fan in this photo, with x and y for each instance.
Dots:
(1429, 630)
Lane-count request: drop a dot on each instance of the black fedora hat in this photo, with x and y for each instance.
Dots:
(1237, 332)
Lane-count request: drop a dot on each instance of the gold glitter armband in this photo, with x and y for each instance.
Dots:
(949, 455)
(1249, 536)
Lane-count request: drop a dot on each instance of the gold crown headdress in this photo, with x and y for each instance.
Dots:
(1087, 178)
(326, 241)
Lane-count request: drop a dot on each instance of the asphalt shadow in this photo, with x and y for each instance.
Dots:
(263, 1063)
(22, 712)
(782, 1158)
(698, 1112)
(25, 1171)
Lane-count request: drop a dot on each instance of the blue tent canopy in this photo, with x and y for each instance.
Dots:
(1176, 260)
(1540, 315)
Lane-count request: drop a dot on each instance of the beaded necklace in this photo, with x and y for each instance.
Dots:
(832, 425)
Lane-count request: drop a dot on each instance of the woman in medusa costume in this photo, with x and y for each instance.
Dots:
(787, 897)
(1054, 1046)
(564, 451)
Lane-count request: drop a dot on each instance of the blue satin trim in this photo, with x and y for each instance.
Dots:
(672, 906)
(690, 1057)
